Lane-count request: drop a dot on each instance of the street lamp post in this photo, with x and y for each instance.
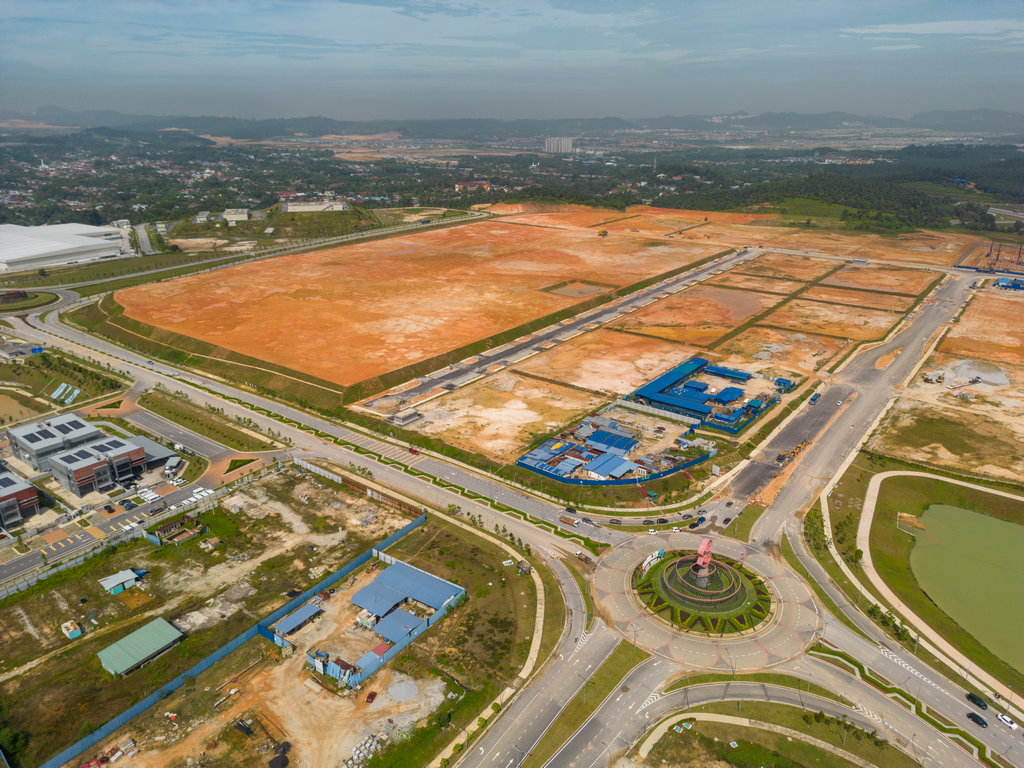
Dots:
(586, 683)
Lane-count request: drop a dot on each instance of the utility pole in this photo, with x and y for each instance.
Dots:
(586, 682)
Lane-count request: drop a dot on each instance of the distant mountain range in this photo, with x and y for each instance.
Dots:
(975, 120)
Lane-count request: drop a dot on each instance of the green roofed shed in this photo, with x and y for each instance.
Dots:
(143, 645)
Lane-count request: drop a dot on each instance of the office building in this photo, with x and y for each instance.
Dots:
(98, 466)
(35, 443)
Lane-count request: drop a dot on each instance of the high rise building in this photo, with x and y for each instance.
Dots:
(558, 146)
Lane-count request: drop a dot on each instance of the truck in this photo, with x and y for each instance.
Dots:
(571, 522)
(583, 558)
(815, 397)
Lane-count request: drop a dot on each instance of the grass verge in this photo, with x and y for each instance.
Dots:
(768, 678)
(202, 421)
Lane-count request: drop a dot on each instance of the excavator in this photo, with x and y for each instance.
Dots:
(602, 233)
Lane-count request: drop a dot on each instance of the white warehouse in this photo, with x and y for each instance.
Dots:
(27, 248)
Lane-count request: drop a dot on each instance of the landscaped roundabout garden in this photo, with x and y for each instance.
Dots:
(720, 597)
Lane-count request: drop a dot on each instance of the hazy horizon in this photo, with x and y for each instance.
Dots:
(383, 59)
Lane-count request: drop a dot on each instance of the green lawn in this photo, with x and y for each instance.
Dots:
(581, 582)
(798, 753)
(238, 464)
(202, 421)
(740, 527)
(603, 682)
(40, 299)
(41, 375)
(770, 678)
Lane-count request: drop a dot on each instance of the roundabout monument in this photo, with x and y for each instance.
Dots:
(732, 609)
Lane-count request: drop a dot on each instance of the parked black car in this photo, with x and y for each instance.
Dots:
(662, 521)
(693, 525)
(648, 522)
(974, 717)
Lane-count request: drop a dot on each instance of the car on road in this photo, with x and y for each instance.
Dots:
(839, 403)
(727, 521)
(570, 511)
(614, 522)
(701, 520)
(693, 525)
(1006, 721)
(370, 697)
(687, 516)
(977, 701)
(652, 531)
(586, 520)
(128, 505)
(675, 529)
(815, 397)
(108, 508)
(728, 503)
(648, 522)
(414, 452)
(662, 521)
(974, 717)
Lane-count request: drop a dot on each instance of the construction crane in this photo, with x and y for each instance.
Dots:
(603, 233)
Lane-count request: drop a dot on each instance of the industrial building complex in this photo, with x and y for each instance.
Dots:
(26, 248)
(18, 499)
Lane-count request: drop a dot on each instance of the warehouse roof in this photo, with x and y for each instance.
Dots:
(25, 244)
(295, 620)
(665, 381)
(419, 585)
(41, 435)
(610, 465)
(129, 652)
(397, 625)
(612, 443)
(118, 578)
(378, 598)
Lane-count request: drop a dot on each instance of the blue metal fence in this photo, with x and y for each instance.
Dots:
(107, 729)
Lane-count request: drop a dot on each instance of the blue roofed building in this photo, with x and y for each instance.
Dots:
(609, 442)
(419, 585)
(297, 620)
(378, 599)
(727, 373)
(727, 395)
(398, 625)
(609, 465)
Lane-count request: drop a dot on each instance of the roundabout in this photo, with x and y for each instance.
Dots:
(736, 610)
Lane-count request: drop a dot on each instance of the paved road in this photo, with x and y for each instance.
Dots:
(143, 234)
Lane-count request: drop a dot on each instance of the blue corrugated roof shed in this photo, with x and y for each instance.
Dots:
(378, 598)
(396, 625)
(729, 418)
(666, 380)
(686, 404)
(418, 585)
(700, 386)
(611, 443)
(755, 404)
(566, 466)
(728, 395)
(295, 620)
(610, 465)
(727, 373)
(367, 659)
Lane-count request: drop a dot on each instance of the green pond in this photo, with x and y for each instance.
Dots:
(972, 567)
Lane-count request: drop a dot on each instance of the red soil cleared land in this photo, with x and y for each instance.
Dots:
(886, 279)
(991, 329)
(845, 322)
(858, 298)
(350, 313)
(697, 316)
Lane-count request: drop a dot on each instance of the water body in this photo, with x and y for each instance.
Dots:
(972, 566)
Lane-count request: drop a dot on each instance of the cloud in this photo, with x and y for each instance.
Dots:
(976, 27)
(907, 47)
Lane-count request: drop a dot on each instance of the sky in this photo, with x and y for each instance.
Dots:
(388, 59)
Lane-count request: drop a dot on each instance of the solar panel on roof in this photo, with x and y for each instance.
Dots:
(116, 444)
(47, 434)
(64, 429)
(77, 424)
(32, 437)
(83, 454)
(6, 482)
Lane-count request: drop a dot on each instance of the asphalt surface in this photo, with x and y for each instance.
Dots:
(864, 390)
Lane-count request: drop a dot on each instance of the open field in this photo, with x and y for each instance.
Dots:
(848, 322)
(351, 313)
(921, 247)
(30, 384)
(984, 597)
(762, 283)
(886, 279)
(502, 414)
(788, 350)
(956, 437)
(286, 226)
(866, 299)
(607, 361)
(697, 315)
(786, 267)
(991, 329)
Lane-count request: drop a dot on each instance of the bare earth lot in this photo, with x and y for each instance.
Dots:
(858, 298)
(699, 315)
(848, 322)
(991, 329)
(348, 314)
(886, 279)
(765, 284)
(785, 266)
(779, 350)
(500, 415)
(608, 361)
